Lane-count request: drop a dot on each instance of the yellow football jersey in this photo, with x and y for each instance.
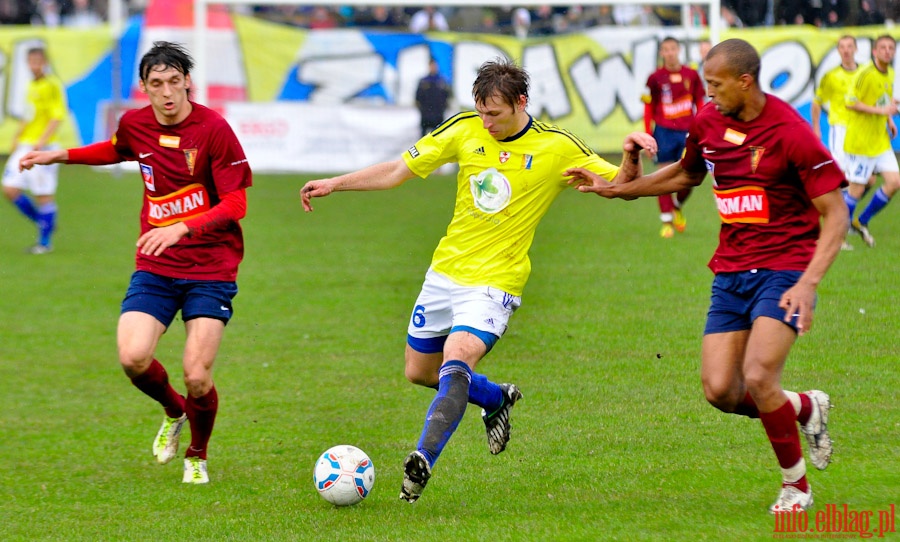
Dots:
(831, 92)
(867, 134)
(47, 100)
(504, 188)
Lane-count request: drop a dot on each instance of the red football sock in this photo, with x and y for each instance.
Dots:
(155, 383)
(201, 413)
(747, 407)
(805, 409)
(781, 428)
(665, 203)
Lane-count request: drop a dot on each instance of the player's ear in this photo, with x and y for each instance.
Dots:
(187, 81)
(142, 86)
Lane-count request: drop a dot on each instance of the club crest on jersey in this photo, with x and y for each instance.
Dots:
(491, 191)
(171, 142)
(756, 154)
(147, 175)
(504, 156)
(746, 205)
(526, 161)
(190, 157)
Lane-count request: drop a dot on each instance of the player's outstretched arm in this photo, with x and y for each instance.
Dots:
(667, 180)
(375, 177)
(43, 158)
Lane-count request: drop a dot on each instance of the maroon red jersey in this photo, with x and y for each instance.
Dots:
(765, 173)
(186, 169)
(674, 97)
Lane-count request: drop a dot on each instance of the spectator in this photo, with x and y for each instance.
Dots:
(834, 12)
(428, 19)
(322, 18)
(432, 96)
(751, 12)
(47, 14)
(15, 12)
(542, 21)
(869, 14)
(378, 16)
(521, 22)
(730, 19)
(82, 15)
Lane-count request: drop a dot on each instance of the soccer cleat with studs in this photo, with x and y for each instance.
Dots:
(863, 232)
(416, 473)
(195, 471)
(816, 429)
(497, 423)
(791, 500)
(165, 445)
(679, 221)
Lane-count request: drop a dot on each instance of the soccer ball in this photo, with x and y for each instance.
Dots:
(344, 475)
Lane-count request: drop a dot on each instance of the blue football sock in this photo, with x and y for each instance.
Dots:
(878, 202)
(851, 203)
(26, 207)
(484, 393)
(446, 410)
(46, 222)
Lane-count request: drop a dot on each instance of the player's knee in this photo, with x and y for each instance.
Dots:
(419, 377)
(198, 383)
(134, 362)
(11, 193)
(721, 396)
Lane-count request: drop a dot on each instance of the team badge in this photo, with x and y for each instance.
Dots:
(504, 156)
(171, 142)
(147, 175)
(756, 154)
(190, 156)
(526, 161)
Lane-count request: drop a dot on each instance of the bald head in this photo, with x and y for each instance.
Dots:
(738, 56)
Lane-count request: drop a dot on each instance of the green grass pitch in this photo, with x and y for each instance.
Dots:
(613, 440)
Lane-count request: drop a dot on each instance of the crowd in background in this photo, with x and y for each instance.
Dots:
(522, 22)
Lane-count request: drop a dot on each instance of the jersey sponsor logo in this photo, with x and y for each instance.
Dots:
(756, 154)
(171, 142)
(147, 175)
(504, 156)
(190, 158)
(413, 152)
(683, 107)
(746, 205)
(491, 191)
(527, 159)
(733, 136)
(190, 201)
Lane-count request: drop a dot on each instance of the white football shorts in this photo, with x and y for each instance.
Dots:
(39, 180)
(442, 305)
(836, 136)
(860, 168)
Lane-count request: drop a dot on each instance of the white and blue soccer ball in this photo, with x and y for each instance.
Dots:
(344, 475)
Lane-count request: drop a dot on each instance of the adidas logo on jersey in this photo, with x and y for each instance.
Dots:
(479, 151)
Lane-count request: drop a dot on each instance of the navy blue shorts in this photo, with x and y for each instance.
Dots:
(740, 298)
(670, 144)
(162, 297)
